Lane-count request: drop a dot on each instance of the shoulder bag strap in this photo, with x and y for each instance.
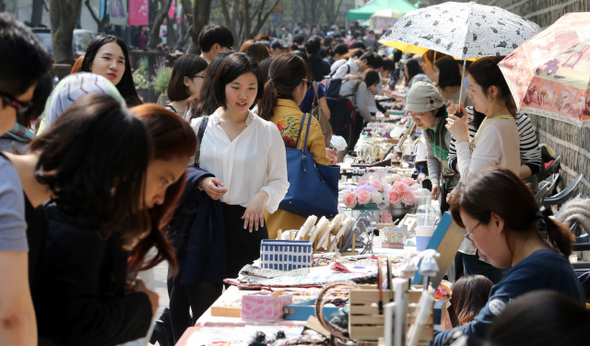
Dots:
(316, 100)
(300, 129)
(306, 133)
(200, 134)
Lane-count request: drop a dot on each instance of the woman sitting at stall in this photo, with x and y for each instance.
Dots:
(447, 78)
(501, 216)
(289, 78)
(426, 106)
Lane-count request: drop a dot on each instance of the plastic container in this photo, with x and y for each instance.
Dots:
(425, 214)
(423, 235)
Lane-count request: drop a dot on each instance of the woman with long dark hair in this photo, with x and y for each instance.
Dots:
(92, 164)
(496, 143)
(447, 78)
(289, 78)
(107, 56)
(501, 217)
(188, 75)
(247, 156)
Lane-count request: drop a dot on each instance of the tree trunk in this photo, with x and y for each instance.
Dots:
(201, 14)
(262, 19)
(37, 14)
(332, 11)
(158, 20)
(230, 14)
(170, 32)
(62, 16)
(98, 21)
(182, 31)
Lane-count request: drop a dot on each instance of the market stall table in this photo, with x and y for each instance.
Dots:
(211, 328)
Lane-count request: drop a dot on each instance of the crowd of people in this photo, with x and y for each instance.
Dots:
(97, 188)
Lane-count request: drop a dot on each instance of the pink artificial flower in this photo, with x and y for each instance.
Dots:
(408, 197)
(408, 180)
(394, 197)
(377, 185)
(350, 199)
(363, 197)
(386, 217)
(361, 183)
(400, 187)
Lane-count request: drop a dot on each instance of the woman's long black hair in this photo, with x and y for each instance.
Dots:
(126, 86)
(94, 160)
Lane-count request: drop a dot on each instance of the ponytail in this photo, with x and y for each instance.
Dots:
(285, 74)
(559, 236)
(269, 100)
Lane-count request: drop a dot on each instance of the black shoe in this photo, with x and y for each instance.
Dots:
(163, 331)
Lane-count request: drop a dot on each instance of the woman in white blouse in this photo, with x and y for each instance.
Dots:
(247, 156)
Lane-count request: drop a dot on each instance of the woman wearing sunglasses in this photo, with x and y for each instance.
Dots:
(187, 79)
(501, 216)
(289, 78)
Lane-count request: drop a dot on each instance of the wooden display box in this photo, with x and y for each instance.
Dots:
(364, 321)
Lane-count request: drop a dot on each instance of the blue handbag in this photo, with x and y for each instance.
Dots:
(313, 188)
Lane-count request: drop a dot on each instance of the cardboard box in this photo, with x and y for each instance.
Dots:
(264, 307)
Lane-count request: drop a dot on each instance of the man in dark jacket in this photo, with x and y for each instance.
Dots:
(319, 67)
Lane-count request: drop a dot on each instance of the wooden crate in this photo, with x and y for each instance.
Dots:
(365, 323)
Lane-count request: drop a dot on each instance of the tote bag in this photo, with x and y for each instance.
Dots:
(316, 111)
(313, 188)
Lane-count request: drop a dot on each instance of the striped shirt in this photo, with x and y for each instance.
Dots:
(530, 154)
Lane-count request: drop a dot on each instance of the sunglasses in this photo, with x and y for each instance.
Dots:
(20, 107)
(309, 83)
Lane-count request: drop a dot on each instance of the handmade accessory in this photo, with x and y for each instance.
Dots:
(313, 188)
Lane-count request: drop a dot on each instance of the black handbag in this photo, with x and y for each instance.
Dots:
(313, 188)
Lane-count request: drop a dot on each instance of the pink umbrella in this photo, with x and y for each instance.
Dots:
(549, 74)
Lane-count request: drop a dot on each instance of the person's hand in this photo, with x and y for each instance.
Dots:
(332, 155)
(153, 296)
(458, 126)
(435, 193)
(254, 214)
(450, 196)
(213, 187)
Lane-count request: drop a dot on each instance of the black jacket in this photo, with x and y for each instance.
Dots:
(82, 300)
(198, 235)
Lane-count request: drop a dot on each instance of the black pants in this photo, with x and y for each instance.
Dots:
(197, 297)
(243, 247)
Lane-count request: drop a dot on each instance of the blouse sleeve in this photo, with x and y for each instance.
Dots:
(276, 171)
(487, 154)
(316, 143)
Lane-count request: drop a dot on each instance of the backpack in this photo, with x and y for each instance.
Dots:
(332, 85)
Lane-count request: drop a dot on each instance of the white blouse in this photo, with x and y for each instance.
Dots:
(254, 161)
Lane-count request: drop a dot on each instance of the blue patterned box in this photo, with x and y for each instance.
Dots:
(285, 254)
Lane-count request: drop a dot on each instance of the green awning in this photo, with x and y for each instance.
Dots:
(365, 12)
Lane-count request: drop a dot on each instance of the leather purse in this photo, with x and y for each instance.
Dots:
(313, 188)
